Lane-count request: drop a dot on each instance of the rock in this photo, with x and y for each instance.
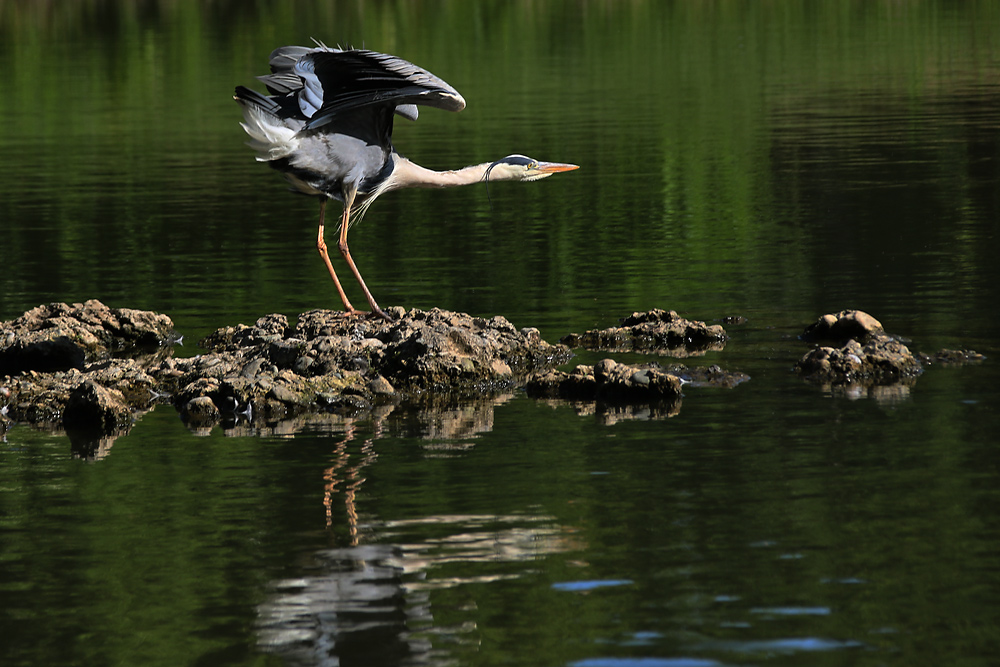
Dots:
(284, 353)
(843, 326)
(611, 391)
(655, 331)
(93, 327)
(381, 387)
(200, 410)
(286, 395)
(424, 350)
(95, 409)
(607, 380)
(868, 354)
(328, 362)
(274, 324)
(302, 365)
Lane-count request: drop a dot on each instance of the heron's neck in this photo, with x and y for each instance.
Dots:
(408, 174)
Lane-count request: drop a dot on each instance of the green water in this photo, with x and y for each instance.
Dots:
(774, 161)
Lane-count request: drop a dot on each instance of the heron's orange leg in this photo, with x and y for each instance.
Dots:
(346, 253)
(321, 247)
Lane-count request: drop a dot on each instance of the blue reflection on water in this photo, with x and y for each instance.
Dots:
(784, 645)
(644, 662)
(792, 611)
(590, 585)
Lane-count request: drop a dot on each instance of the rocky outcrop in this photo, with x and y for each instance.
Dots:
(92, 369)
(331, 361)
(844, 326)
(60, 337)
(853, 347)
(608, 380)
(63, 368)
(883, 359)
(857, 349)
(655, 331)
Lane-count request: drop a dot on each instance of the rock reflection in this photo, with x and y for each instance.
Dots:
(449, 419)
(611, 413)
(449, 428)
(883, 394)
(90, 447)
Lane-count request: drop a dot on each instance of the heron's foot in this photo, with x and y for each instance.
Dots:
(378, 312)
(375, 312)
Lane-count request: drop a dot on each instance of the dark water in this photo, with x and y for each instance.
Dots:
(775, 161)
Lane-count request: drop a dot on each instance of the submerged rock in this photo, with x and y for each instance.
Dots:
(707, 376)
(952, 357)
(654, 331)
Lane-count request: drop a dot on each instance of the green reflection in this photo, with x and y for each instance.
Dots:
(717, 144)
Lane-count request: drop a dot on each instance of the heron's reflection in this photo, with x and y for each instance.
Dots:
(371, 602)
(345, 474)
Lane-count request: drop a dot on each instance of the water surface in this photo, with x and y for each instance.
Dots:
(775, 161)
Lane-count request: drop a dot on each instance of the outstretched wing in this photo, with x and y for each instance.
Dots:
(326, 82)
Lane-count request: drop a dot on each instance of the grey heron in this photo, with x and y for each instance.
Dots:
(327, 126)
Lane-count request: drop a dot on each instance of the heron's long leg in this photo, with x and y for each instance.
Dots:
(321, 247)
(346, 253)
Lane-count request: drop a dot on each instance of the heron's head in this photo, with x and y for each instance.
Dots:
(523, 168)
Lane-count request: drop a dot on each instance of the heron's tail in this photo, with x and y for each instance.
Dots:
(272, 136)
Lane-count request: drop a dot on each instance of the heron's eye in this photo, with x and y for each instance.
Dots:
(533, 165)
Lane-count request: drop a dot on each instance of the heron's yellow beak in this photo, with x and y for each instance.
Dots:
(555, 167)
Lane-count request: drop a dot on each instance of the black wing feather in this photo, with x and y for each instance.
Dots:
(326, 82)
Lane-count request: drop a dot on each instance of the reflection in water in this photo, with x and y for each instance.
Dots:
(371, 604)
(354, 613)
(883, 394)
(341, 474)
(476, 539)
(91, 448)
(450, 418)
(609, 414)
